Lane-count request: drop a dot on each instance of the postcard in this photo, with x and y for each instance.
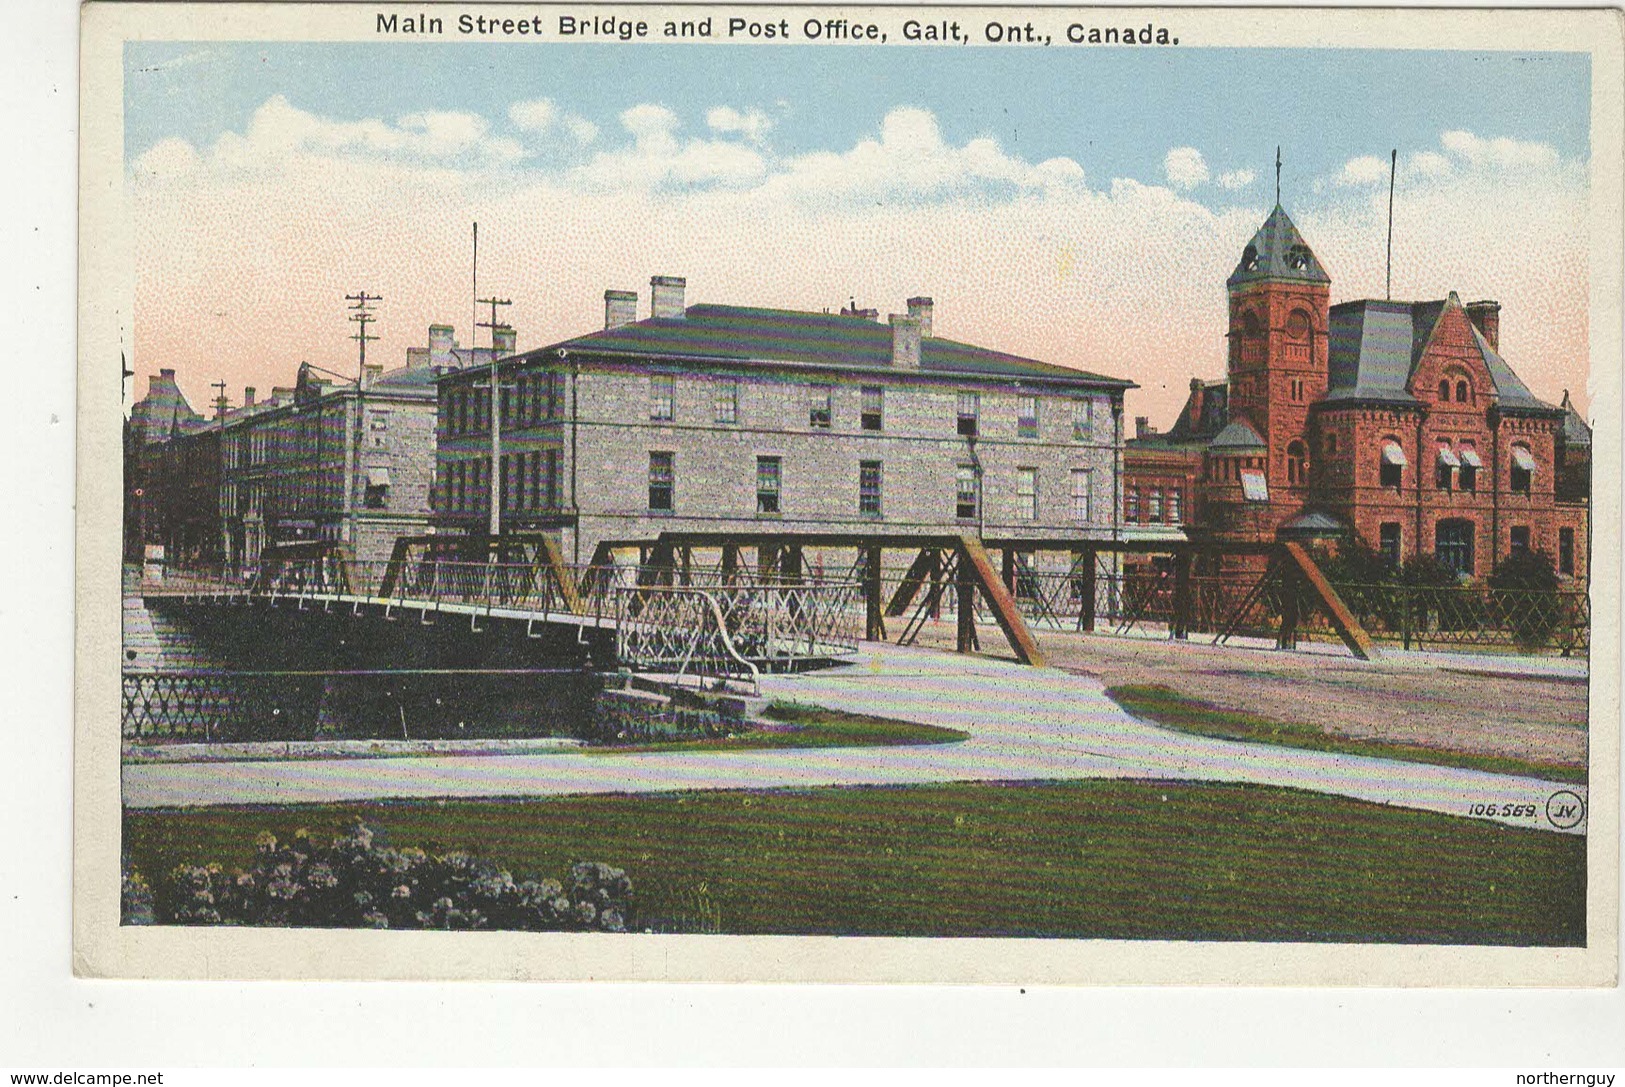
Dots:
(889, 493)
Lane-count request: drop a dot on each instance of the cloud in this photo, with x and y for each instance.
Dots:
(910, 159)
(1185, 168)
(1501, 152)
(536, 115)
(165, 160)
(752, 124)
(1237, 179)
(1365, 170)
(659, 158)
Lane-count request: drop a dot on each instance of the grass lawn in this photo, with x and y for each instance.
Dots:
(1169, 708)
(1110, 859)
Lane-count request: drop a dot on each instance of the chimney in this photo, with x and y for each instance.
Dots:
(920, 307)
(905, 342)
(282, 392)
(505, 339)
(248, 396)
(440, 346)
(666, 296)
(1487, 316)
(620, 308)
(166, 371)
(1142, 426)
(1198, 394)
(370, 374)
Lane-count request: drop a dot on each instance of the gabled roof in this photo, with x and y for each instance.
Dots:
(743, 335)
(1374, 347)
(164, 410)
(1278, 252)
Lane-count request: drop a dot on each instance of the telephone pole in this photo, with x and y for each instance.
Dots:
(220, 401)
(496, 410)
(362, 316)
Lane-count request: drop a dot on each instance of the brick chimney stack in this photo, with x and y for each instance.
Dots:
(1487, 316)
(1198, 394)
(905, 342)
(248, 396)
(440, 346)
(620, 308)
(666, 296)
(370, 374)
(506, 339)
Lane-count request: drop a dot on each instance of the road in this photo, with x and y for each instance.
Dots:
(1024, 724)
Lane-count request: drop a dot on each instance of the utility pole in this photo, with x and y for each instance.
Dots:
(1393, 168)
(496, 410)
(362, 316)
(220, 398)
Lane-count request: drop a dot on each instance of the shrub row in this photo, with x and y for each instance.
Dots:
(353, 883)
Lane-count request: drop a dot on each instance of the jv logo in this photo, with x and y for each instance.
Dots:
(1565, 809)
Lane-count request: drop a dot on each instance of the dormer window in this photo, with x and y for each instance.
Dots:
(1297, 258)
(1249, 258)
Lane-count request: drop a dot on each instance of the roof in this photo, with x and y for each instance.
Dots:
(1374, 347)
(748, 335)
(1278, 252)
(1237, 435)
(1575, 430)
(1313, 523)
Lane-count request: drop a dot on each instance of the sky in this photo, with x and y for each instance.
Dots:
(1078, 206)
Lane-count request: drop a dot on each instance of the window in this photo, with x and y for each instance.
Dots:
(662, 476)
(869, 488)
(1453, 545)
(1082, 488)
(1083, 419)
(1444, 391)
(1027, 494)
(662, 397)
(1462, 392)
(969, 410)
(1520, 541)
(1026, 416)
(377, 488)
(1445, 466)
(1390, 543)
(818, 406)
(967, 493)
(1153, 506)
(550, 480)
(1565, 551)
(1393, 463)
(1176, 512)
(1522, 472)
(1467, 473)
(1297, 465)
(767, 484)
(874, 406)
(1331, 444)
(1295, 388)
(726, 402)
(1131, 505)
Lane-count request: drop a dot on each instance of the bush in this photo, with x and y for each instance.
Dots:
(1528, 600)
(354, 883)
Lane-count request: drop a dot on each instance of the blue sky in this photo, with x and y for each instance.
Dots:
(1115, 112)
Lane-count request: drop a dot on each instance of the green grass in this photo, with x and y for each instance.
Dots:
(1171, 709)
(1108, 859)
(797, 725)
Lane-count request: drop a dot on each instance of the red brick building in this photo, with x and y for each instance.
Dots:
(1396, 424)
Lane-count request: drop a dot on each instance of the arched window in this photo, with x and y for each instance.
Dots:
(1463, 390)
(1393, 463)
(1521, 474)
(1297, 464)
(1444, 391)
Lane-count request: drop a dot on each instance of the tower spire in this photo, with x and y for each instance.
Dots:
(1277, 174)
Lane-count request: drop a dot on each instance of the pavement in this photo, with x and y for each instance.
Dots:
(1025, 724)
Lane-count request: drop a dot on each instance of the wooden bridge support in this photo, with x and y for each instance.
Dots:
(1084, 577)
(975, 569)
(1180, 628)
(1348, 628)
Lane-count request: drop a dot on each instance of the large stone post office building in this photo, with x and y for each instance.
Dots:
(718, 418)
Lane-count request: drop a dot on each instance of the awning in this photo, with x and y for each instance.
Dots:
(1254, 486)
(1393, 454)
(1522, 458)
(1469, 457)
(1447, 457)
(377, 477)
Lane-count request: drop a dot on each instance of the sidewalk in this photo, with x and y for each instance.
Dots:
(1025, 724)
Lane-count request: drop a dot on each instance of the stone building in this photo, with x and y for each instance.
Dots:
(1397, 424)
(717, 418)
